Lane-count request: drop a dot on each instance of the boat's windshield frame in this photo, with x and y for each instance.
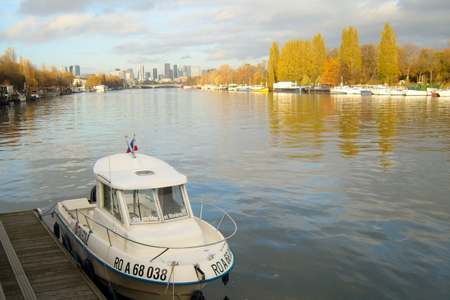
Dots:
(159, 209)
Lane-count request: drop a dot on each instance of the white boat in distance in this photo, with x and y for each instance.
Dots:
(140, 235)
(286, 87)
(410, 93)
(443, 93)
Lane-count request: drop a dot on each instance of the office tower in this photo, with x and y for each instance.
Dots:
(155, 74)
(187, 71)
(77, 71)
(175, 71)
(141, 73)
(167, 70)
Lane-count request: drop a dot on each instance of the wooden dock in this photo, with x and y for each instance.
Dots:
(33, 264)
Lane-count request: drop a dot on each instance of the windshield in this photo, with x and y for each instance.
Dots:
(171, 202)
(141, 206)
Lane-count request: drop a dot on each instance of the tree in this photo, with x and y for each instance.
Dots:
(408, 55)
(331, 72)
(388, 67)
(272, 67)
(350, 56)
(10, 70)
(369, 55)
(295, 63)
(319, 53)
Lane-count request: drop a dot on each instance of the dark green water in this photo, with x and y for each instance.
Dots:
(335, 197)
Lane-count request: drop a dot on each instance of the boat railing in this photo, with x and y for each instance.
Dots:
(221, 217)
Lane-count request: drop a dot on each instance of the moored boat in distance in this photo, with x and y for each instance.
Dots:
(286, 87)
(138, 232)
(339, 90)
(397, 92)
(410, 93)
(443, 93)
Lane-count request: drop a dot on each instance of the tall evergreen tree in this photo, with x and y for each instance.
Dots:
(272, 67)
(388, 66)
(319, 53)
(350, 56)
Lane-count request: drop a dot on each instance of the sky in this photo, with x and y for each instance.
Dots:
(101, 35)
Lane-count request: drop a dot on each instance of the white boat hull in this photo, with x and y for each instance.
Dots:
(140, 277)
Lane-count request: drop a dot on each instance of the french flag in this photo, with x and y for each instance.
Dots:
(132, 146)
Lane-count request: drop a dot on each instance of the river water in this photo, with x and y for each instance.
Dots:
(335, 197)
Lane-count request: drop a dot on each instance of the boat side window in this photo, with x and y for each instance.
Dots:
(111, 202)
(141, 205)
(171, 202)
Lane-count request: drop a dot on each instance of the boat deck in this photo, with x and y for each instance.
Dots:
(35, 266)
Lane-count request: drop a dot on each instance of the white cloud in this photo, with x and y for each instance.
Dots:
(34, 29)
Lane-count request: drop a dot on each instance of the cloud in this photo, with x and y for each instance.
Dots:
(33, 29)
(51, 7)
(224, 30)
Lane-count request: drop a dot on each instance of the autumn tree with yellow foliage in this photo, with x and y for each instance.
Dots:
(296, 62)
(272, 67)
(331, 73)
(23, 74)
(388, 66)
(319, 53)
(350, 56)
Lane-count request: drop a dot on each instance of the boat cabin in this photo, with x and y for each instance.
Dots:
(139, 189)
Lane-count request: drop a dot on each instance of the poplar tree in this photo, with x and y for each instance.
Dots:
(388, 66)
(272, 67)
(295, 63)
(350, 56)
(319, 53)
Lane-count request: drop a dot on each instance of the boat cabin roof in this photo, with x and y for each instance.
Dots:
(125, 172)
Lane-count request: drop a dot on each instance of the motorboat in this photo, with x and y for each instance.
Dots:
(380, 91)
(443, 93)
(286, 87)
(339, 90)
(397, 92)
(415, 93)
(138, 234)
(259, 89)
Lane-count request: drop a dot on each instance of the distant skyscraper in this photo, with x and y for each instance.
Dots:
(187, 71)
(141, 73)
(175, 71)
(167, 71)
(71, 69)
(77, 71)
(155, 74)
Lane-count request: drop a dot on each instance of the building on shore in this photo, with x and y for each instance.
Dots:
(167, 71)
(155, 74)
(141, 73)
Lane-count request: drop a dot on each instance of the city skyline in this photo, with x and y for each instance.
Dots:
(104, 35)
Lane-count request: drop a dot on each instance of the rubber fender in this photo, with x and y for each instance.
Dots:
(225, 278)
(112, 292)
(66, 243)
(76, 257)
(198, 295)
(88, 268)
(56, 230)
